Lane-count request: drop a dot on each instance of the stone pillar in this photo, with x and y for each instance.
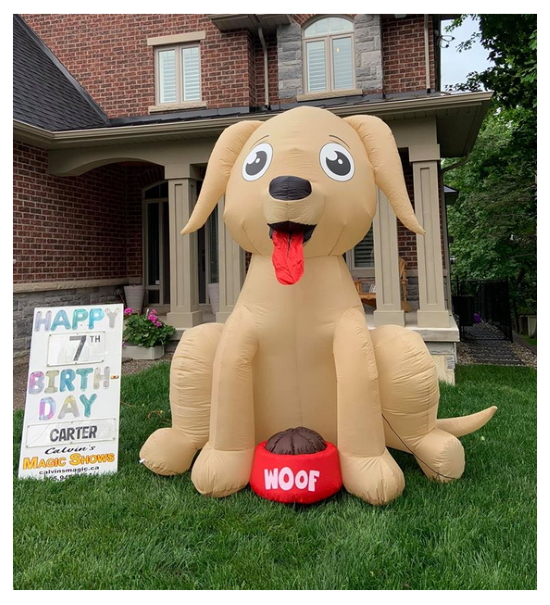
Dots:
(184, 275)
(386, 266)
(289, 53)
(231, 268)
(432, 312)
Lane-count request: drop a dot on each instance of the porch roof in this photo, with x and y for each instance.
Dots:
(458, 116)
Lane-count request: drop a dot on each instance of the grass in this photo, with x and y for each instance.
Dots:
(134, 530)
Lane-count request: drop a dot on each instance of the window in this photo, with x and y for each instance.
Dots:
(329, 55)
(178, 74)
(177, 71)
(363, 253)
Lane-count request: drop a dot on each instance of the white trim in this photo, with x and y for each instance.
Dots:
(180, 103)
(160, 288)
(176, 38)
(327, 40)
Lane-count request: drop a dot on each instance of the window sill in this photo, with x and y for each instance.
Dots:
(329, 94)
(180, 106)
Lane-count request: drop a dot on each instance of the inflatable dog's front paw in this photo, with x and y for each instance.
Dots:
(377, 480)
(220, 473)
(167, 452)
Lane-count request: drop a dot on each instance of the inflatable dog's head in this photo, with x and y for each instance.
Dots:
(303, 181)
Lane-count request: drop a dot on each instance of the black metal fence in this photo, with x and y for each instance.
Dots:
(482, 309)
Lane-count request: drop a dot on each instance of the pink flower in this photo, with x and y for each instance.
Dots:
(158, 324)
(152, 317)
(128, 311)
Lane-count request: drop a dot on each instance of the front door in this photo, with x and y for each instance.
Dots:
(157, 248)
(207, 239)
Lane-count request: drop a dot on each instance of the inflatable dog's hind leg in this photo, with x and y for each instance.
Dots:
(170, 451)
(409, 394)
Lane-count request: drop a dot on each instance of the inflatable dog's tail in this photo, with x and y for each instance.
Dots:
(466, 424)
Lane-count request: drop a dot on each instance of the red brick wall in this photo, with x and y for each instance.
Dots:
(109, 56)
(66, 228)
(406, 240)
(403, 55)
(85, 227)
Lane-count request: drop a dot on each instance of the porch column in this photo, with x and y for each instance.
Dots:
(431, 312)
(386, 266)
(231, 267)
(184, 276)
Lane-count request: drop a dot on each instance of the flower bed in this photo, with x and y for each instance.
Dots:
(145, 330)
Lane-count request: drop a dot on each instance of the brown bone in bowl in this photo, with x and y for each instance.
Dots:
(296, 441)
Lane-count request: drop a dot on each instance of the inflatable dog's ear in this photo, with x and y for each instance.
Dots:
(220, 164)
(388, 171)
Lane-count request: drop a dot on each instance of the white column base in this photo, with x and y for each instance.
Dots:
(184, 319)
(383, 318)
(432, 319)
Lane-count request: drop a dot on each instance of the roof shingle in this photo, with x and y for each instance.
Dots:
(44, 92)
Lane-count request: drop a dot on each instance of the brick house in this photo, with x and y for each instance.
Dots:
(115, 117)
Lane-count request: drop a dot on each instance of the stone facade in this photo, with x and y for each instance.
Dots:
(368, 53)
(25, 303)
(368, 57)
(289, 58)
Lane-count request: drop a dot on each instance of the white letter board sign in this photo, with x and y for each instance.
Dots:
(72, 405)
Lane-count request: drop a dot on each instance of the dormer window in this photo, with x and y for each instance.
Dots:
(329, 55)
(177, 71)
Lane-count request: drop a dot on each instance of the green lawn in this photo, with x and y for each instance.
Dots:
(134, 530)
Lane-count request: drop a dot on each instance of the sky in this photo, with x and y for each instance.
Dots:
(456, 66)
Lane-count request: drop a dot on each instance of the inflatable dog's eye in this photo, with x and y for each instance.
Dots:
(257, 162)
(337, 162)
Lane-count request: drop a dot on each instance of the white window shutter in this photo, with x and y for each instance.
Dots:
(167, 76)
(190, 59)
(342, 64)
(363, 253)
(316, 66)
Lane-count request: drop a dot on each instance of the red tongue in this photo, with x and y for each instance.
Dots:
(288, 256)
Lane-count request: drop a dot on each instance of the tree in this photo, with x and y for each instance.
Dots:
(493, 223)
(512, 44)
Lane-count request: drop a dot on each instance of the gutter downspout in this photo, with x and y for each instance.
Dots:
(427, 53)
(266, 72)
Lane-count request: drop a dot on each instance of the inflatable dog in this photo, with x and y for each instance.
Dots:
(300, 191)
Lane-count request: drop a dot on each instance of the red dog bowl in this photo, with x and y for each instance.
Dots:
(303, 478)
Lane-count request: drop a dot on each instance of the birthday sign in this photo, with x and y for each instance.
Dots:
(73, 393)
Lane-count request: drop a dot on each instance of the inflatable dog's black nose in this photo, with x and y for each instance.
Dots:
(289, 188)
